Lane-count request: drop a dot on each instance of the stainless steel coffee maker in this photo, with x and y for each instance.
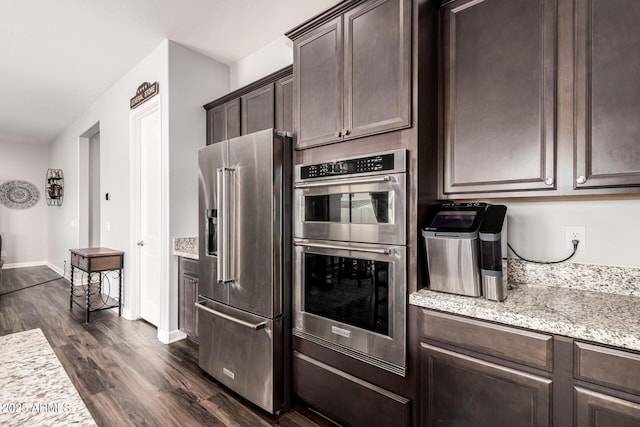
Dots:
(466, 247)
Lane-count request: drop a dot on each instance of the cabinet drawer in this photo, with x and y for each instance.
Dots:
(524, 347)
(189, 266)
(613, 368)
(345, 398)
(102, 263)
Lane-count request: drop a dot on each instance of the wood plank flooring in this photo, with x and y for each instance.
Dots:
(125, 376)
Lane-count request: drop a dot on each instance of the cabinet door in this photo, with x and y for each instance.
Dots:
(377, 67)
(232, 119)
(257, 110)
(187, 311)
(600, 410)
(463, 391)
(216, 123)
(607, 94)
(284, 104)
(318, 85)
(498, 68)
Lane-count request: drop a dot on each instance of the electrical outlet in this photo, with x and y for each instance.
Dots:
(575, 233)
(3, 253)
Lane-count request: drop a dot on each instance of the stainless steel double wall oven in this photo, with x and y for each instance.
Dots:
(350, 257)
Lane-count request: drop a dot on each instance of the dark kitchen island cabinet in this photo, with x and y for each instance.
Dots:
(544, 102)
(477, 373)
(260, 105)
(352, 72)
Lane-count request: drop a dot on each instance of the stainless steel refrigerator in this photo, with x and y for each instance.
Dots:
(245, 264)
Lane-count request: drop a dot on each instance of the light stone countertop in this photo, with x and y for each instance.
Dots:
(186, 247)
(604, 318)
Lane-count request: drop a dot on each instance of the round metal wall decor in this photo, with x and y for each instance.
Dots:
(18, 194)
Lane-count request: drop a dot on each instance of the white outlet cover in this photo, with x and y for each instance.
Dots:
(577, 232)
(3, 253)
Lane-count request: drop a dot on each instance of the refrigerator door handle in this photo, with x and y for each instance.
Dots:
(254, 326)
(231, 212)
(222, 217)
(226, 211)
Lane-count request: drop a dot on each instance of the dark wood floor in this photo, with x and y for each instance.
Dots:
(125, 376)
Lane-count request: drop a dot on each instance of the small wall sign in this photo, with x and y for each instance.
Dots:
(144, 92)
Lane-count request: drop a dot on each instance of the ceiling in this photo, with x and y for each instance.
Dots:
(57, 57)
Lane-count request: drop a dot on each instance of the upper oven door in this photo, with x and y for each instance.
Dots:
(368, 209)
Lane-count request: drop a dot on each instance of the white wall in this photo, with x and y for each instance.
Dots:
(111, 110)
(187, 81)
(272, 57)
(194, 80)
(537, 229)
(24, 231)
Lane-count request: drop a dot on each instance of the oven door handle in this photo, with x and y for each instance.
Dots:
(351, 181)
(385, 251)
(254, 326)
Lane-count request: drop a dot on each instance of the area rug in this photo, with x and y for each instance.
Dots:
(34, 387)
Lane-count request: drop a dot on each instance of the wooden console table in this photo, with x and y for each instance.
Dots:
(100, 262)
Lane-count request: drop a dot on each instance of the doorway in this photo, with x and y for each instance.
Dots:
(146, 133)
(89, 189)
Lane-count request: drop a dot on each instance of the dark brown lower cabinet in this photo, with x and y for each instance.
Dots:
(187, 296)
(346, 399)
(462, 391)
(478, 373)
(595, 409)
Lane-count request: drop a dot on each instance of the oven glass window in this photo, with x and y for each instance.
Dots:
(348, 290)
(350, 208)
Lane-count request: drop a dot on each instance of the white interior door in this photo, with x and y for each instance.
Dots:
(150, 216)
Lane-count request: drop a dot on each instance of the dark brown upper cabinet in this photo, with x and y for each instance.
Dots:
(352, 72)
(284, 104)
(499, 95)
(252, 108)
(223, 122)
(607, 99)
(258, 109)
(539, 98)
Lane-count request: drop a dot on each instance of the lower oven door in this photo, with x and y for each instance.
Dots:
(352, 298)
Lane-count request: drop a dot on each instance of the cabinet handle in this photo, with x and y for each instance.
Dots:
(548, 181)
(140, 243)
(345, 132)
(337, 134)
(581, 179)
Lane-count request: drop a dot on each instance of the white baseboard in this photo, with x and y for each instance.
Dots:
(168, 337)
(58, 270)
(24, 264)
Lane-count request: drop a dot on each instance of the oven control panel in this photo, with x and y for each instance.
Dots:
(376, 163)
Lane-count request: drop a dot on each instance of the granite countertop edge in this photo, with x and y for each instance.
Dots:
(186, 247)
(602, 318)
(186, 255)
